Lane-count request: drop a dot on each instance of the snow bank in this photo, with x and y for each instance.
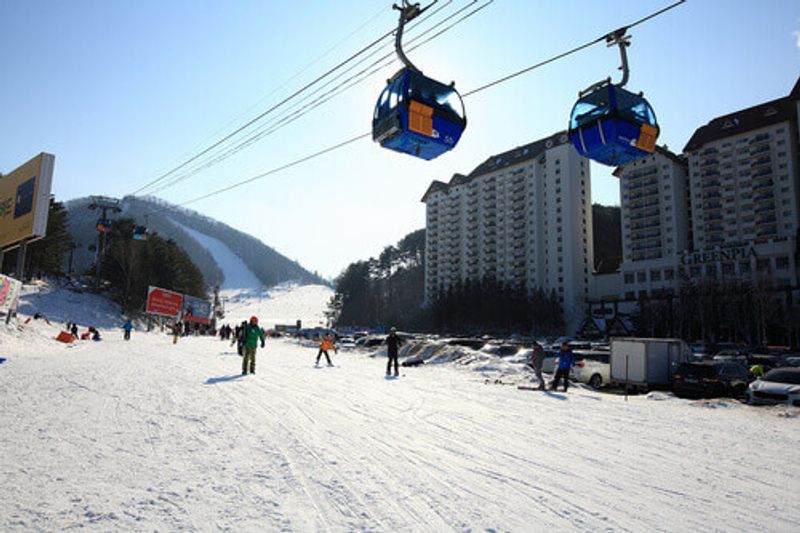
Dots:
(63, 304)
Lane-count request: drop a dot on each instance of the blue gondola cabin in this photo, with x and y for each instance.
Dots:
(613, 126)
(419, 116)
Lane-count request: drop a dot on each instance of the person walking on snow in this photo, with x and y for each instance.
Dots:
(393, 343)
(326, 343)
(536, 363)
(566, 360)
(127, 327)
(176, 331)
(250, 337)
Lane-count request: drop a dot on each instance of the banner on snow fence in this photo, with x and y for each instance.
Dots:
(196, 310)
(163, 302)
(10, 289)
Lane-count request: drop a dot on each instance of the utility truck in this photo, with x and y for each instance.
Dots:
(643, 364)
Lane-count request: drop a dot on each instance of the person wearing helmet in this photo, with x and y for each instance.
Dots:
(250, 337)
(326, 343)
(393, 343)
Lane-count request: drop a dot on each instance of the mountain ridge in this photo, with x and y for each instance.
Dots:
(269, 266)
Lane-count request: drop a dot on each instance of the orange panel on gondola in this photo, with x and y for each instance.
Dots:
(420, 118)
(647, 138)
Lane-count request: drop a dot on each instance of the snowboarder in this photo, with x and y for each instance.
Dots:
(566, 360)
(74, 330)
(536, 362)
(326, 343)
(127, 326)
(240, 338)
(250, 336)
(393, 342)
(95, 333)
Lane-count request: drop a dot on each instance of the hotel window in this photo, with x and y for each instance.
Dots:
(711, 271)
(782, 263)
(763, 265)
(655, 275)
(669, 274)
(641, 277)
(728, 269)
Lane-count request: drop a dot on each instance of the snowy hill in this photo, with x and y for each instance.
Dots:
(192, 232)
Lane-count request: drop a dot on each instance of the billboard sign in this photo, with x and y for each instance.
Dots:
(10, 289)
(163, 302)
(25, 201)
(196, 310)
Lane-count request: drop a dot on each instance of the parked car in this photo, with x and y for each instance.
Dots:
(593, 368)
(711, 379)
(699, 347)
(781, 385)
(468, 342)
(369, 342)
(729, 348)
(549, 362)
(792, 360)
(731, 358)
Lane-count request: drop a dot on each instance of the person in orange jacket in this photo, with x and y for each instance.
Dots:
(326, 343)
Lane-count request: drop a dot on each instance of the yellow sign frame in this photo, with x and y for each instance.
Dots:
(25, 201)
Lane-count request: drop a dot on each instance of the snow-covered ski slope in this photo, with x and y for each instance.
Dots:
(246, 296)
(147, 435)
(237, 274)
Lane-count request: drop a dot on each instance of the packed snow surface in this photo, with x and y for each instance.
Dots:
(237, 274)
(284, 304)
(147, 435)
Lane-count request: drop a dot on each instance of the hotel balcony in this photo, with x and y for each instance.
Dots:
(759, 139)
(761, 161)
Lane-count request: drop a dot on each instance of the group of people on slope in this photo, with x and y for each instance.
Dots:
(91, 332)
(250, 334)
(566, 360)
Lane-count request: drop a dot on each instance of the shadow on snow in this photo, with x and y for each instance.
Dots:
(223, 379)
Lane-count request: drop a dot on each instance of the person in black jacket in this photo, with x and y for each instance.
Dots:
(393, 342)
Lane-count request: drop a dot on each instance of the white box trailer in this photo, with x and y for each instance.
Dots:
(641, 363)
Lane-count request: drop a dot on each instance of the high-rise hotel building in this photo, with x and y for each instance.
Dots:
(522, 217)
(727, 208)
(655, 222)
(745, 191)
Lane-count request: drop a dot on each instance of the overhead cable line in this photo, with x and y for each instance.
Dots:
(284, 83)
(292, 116)
(569, 52)
(472, 92)
(272, 108)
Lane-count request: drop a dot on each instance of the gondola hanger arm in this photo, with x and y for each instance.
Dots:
(408, 12)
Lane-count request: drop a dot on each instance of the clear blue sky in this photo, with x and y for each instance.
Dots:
(120, 91)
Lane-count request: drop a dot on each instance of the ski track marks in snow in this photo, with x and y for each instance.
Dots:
(146, 435)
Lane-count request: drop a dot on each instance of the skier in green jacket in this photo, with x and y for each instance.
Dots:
(251, 334)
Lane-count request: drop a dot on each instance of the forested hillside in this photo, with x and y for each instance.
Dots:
(165, 219)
